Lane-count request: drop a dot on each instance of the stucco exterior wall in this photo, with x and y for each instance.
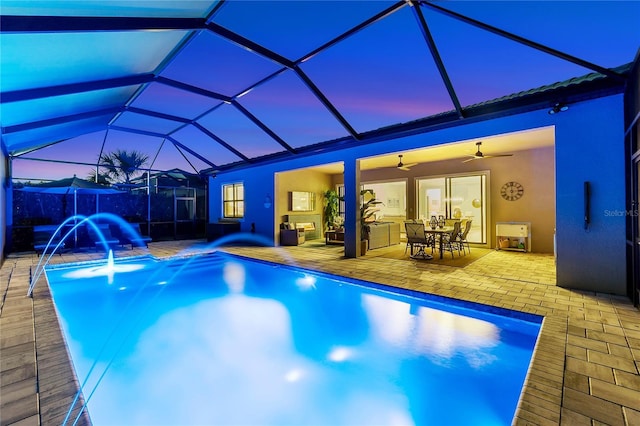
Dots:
(590, 148)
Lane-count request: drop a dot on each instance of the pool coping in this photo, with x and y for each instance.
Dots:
(497, 310)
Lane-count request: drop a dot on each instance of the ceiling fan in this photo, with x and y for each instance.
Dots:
(480, 156)
(403, 166)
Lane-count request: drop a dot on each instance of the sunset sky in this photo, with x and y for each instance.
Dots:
(381, 75)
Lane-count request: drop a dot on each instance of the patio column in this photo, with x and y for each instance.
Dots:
(352, 207)
(8, 210)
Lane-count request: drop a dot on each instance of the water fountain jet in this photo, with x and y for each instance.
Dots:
(89, 221)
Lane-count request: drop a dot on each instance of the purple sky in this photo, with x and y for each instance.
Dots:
(382, 75)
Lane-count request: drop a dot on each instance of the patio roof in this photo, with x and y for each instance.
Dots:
(212, 85)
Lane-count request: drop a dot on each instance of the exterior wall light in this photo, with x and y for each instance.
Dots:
(558, 107)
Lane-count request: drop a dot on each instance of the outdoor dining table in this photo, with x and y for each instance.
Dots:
(439, 233)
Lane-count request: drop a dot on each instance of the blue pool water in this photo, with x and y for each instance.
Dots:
(222, 340)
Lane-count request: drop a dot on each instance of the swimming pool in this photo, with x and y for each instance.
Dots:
(219, 339)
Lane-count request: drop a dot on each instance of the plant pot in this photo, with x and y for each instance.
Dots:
(364, 245)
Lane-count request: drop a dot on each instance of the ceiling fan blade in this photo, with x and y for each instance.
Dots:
(402, 166)
(482, 157)
(498, 155)
(479, 155)
(405, 167)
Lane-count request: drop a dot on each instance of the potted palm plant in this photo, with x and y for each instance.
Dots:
(367, 210)
(331, 200)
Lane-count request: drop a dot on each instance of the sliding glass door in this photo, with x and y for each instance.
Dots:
(432, 195)
(456, 197)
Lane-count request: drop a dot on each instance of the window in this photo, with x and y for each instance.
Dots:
(233, 200)
(393, 196)
(341, 205)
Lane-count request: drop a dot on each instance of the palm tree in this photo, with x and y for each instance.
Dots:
(102, 178)
(123, 164)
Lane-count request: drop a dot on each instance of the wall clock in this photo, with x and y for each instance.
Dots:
(511, 191)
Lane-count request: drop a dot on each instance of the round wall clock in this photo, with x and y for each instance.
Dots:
(511, 191)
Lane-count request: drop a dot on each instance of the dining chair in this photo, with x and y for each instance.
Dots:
(462, 239)
(417, 237)
(405, 226)
(450, 241)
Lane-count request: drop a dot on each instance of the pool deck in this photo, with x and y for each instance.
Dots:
(585, 370)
